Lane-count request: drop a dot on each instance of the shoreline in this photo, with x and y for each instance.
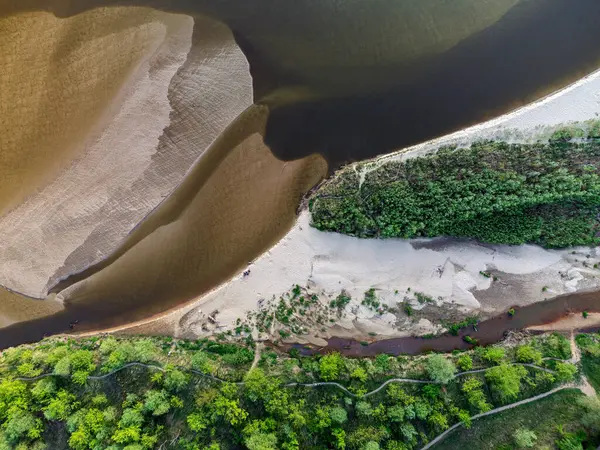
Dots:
(222, 296)
(473, 133)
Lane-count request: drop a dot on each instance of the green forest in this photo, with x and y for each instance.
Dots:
(140, 393)
(495, 192)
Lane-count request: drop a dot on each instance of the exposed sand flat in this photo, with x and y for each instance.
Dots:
(58, 83)
(446, 270)
(174, 98)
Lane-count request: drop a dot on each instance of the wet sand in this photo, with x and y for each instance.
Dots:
(57, 87)
(17, 308)
(188, 86)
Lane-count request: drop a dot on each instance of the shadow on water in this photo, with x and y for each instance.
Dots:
(537, 47)
(489, 331)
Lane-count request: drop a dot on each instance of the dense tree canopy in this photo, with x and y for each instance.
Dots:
(496, 192)
(205, 394)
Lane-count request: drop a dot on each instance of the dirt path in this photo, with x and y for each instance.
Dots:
(255, 362)
(257, 353)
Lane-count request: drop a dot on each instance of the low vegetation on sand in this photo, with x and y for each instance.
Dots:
(146, 393)
(547, 194)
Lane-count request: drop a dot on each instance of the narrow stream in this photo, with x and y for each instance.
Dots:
(489, 331)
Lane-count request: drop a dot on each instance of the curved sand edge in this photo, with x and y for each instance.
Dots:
(442, 268)
(185, 89)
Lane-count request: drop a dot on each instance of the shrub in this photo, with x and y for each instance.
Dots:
(440, 369)
(527, 354)
(465, 362)
(565, 371)
(495, 355)
(525, 438)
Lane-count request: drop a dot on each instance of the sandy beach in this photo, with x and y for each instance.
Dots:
(447, 270)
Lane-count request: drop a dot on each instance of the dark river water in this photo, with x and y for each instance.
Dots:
(488, 331)
(351, 80)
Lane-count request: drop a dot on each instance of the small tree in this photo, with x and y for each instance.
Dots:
(330, 366)
(525, 438)
(261, 441)
(338, 415)
(440, 369)
(527, 354)
(465, 362)
(565, 371)
(506, 380)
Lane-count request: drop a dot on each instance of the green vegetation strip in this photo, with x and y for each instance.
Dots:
(309, 385)
(547, 194)
(78, 395)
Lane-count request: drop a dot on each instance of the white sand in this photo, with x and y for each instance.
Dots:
(450, 270)
(329, 262)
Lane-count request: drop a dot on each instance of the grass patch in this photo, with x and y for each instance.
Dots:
(542, 417)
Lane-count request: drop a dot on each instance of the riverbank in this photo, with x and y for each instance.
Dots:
(215, 391)
(328, 263)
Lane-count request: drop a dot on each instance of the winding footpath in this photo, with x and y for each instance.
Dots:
(584, 386)
(241, 383)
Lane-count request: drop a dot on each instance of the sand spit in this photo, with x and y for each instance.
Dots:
(450, 269)
(576, 103)
(171, 95)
